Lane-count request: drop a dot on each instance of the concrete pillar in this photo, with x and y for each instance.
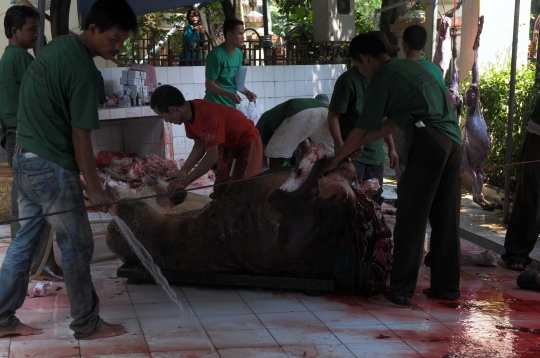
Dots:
(431, 26)
(469, 27)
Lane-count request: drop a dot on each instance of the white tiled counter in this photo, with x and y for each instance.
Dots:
(125, 112)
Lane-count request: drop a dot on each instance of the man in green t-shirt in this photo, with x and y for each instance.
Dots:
(414, 41)
(57, 112)
(293, 124)
(524, 225)
(222, 64)
(21, 26)
(343, 113)
(412, 99)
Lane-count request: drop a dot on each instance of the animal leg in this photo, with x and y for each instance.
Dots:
(474, 181)
(485, 204)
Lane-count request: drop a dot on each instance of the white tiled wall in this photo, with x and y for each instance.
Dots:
(134, 135)
(109, 137)
(272, 84)
(144, 136)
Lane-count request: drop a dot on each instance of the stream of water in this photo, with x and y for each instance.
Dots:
(148, 263)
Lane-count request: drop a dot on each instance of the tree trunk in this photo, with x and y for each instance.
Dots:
(229, 9)
(60, 17)
(388, 17)
(215, 16)
(214, 19)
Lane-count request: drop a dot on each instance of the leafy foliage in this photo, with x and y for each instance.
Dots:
(298, 14)
(363, 14)
(155, 26)
(494, 83)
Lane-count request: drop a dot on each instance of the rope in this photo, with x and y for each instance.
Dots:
(507, 165)
(126, 201)
(455, 14)
(443, 9)
(45, 257)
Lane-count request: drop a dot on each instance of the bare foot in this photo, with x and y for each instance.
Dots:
(22, 330)
(108, 330)
(515, 266)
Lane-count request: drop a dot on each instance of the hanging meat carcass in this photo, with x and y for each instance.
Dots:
(453, 89)
(443, 51)
(476, 139)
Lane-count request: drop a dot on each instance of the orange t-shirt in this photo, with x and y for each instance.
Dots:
(217, 124)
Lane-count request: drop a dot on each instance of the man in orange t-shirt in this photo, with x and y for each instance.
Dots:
(222, 134)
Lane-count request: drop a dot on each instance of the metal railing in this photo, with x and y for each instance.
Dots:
(296, 48)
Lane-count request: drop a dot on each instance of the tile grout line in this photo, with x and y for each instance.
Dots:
(137, 317)
(266, 328)
(329, 330)
(196, 316)
(402, 340)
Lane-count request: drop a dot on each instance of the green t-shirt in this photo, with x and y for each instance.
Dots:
(347, 100)
(221, 66)
(59, 91)
(435, 71)
(13, 65)
(272, 119)
(406, 93)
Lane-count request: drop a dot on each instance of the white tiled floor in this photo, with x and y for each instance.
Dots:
(256, 323)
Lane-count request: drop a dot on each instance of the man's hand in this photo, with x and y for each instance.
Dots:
(357, 153)
(251, 96)
(99, 196)
(394, 159)
(235, 97)
(180, 174)
(174, 185)
(329, 165)
(199, 29)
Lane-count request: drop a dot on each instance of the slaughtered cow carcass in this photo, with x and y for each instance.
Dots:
(442, 51)
(280, 224)
(476, 139)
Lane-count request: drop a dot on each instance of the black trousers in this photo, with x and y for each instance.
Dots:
(524, 224)
(430, 188)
